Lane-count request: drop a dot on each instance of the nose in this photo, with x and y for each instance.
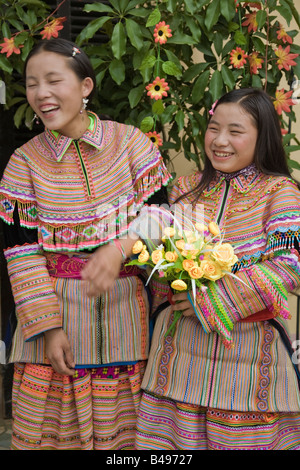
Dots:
(42, 91)
(221, 139)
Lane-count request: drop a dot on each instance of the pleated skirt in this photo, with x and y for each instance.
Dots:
(165, 424)
(96, 409)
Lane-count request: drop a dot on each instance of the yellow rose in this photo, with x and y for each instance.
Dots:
(143, 256)
(224, 255)
(196, 272)
(188, 264)
(169, 232)
(171, 256)
(137, 247)
(179, 285)
(210, 270)
(213, 228)
(180, 244)
(156, 256)
(201, 227)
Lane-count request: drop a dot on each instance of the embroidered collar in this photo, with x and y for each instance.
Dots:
(242, 180)
(60, 143)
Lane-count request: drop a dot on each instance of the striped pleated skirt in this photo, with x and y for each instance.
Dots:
(168, 425)
(96, 409)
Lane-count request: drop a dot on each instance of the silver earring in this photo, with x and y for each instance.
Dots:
(36, 118)
(84, 104)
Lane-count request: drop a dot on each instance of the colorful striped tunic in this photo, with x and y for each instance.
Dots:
(231, 354)
(78, 195)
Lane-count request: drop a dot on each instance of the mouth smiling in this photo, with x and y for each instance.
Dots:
(48, 109)
(223, 154)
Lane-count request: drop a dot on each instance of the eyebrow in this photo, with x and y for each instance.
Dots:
(49, 74)
(232, 124)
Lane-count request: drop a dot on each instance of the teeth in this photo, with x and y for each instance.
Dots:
(219, 154)
(50, 108)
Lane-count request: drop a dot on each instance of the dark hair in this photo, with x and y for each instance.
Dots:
(269, 155)
(79, 62)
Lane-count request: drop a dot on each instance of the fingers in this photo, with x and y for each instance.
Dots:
(182, 303)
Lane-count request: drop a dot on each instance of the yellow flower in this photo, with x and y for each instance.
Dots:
(211, 270)
(137, 247)
(238, 57)
(155, 138)
(188, 264)
(179, 285)
(143, 256)
(162, 32)
(171, 256)
(180, 244)
(156, 256)
(224, 255)
(157, 89)
(214, 228)
(169, 232)
(201, 227)
(196, 272)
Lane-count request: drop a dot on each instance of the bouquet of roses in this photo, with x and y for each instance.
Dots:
(187, 258)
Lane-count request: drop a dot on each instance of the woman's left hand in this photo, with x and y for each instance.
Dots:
(183, 304)
(102, 269)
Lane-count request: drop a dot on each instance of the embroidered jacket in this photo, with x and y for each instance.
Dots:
(77, 195)
(230, 356)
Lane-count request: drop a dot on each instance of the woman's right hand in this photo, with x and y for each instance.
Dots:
(58, 351)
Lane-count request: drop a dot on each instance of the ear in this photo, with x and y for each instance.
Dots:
(87, 86)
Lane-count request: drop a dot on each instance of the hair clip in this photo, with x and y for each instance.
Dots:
(75, 51)
(211, 111)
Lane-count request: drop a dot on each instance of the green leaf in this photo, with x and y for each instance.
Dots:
(19, 114)
(5, 64)
(118, 40)
(200, 86)
(117, 71)
(228, 77)
(181, 38)
(148, 62)
(286, 13)
(240, 38)
(134, 34)
(153, 18)
(228, 9)
(92, 27)
(171, 69)
(179, 118)
(158, 107)
(216, 85)
(261, 18)
(99, 7)
(212, 14)
(147, 124)
(193, 71)
(295, 12)
(135, 95)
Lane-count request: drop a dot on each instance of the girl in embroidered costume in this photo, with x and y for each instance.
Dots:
(227, 380)
(67, 199)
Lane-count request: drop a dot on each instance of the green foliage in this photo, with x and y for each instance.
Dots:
(195, 61)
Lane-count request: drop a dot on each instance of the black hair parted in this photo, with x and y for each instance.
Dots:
(79, 61)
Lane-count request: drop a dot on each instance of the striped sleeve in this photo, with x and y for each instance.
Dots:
(264, 285)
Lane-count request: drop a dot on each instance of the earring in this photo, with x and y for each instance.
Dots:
(36, 118)
(84, 104)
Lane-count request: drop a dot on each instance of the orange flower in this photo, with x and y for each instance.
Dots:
(162, 32)
(283, 101)
(285, 59)
(283, 35)
(157, 89)
(155, 138)
(255, 62)
(9, 47)
(251, 22)
(253, 5)
(51, 29)
(238, 57)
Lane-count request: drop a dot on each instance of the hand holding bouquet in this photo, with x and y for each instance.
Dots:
(187, 258)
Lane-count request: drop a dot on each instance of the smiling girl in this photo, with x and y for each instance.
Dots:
(68, 196)
(227, 380)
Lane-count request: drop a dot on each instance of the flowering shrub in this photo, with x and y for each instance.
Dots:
(166, 62)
